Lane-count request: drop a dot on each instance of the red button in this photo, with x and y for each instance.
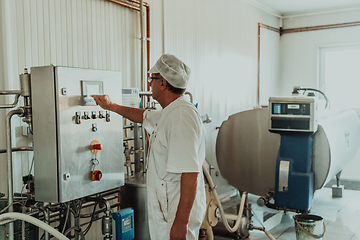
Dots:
(97, 146)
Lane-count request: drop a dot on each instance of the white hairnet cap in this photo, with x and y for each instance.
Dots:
(173, 70)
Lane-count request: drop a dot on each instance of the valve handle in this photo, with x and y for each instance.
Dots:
(97, 146)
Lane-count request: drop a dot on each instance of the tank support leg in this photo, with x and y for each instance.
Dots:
(337, 189)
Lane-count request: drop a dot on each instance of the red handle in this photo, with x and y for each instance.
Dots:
(97, 146)
(96, 175)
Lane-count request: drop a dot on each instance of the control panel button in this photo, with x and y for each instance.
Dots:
(78, 118)
(93, 114)
(86, 115)
(94, 127)
(107, 116)
(101, 114)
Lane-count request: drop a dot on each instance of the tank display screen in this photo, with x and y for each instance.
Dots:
(291, 108)
(276, 108)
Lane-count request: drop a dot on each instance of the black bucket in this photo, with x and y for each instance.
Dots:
(309, 227)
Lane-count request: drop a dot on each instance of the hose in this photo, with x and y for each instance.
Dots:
(264, 230)
(38, 223)
(222, 213)
(268, 234)
(322, 93)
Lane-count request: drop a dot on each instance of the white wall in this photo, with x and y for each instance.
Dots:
(300, 52)
(217, 39)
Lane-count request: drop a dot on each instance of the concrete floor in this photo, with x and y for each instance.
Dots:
(341, 217)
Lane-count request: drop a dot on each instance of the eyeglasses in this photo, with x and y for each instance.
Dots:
(152, 78)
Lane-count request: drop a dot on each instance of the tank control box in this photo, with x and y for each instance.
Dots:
(293, 114)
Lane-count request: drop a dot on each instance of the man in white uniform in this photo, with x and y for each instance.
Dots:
(175, 184)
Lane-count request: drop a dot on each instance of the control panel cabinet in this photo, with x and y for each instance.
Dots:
(77, 145)
(293, 114)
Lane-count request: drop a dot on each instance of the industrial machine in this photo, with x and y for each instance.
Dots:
(295, 119)
(78, 155)
(77, 145)
(285, 152)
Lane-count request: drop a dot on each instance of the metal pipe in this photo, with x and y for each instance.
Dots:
(142, 48)
(125, 5)
(137, 154)
(321, 12)
(17, 95)
(18, 149)
(269, 27)
(140, 9)
(132, 138)
(258, 68)
(191, 96)
(320, 27)
(148, 94)
(143, 133)
(10, 92)
(261, 25)
(46, 220)
(18, 111)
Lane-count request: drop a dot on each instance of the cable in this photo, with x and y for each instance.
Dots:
(316, 90)
(91, 220)
(66, 218)
(75, 228)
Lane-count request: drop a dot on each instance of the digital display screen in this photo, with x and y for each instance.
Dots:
(127, 226)
(276, 108)
(92, 89)
(89, 88)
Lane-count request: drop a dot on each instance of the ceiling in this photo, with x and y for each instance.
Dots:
(288, 7)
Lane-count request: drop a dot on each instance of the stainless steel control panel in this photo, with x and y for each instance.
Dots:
(77, 144)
